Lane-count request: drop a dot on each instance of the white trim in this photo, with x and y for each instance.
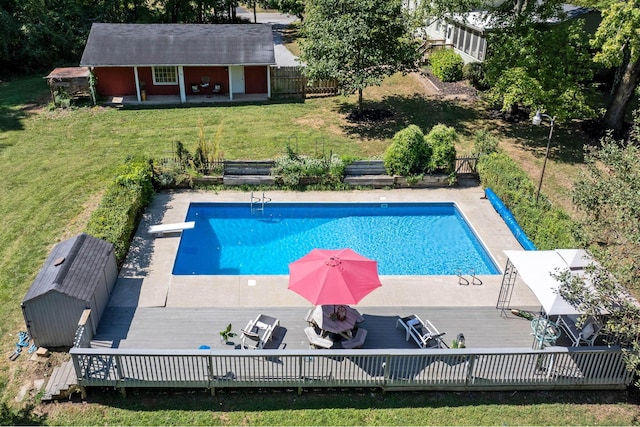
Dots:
(157, 83)
(183, 93)
(137, 79)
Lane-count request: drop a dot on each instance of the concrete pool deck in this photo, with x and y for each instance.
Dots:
(146, 281)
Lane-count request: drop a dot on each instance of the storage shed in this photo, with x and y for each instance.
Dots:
(79, 274)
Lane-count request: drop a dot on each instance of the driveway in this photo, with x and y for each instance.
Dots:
(279, 22)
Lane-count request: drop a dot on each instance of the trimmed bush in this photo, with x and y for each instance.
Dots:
(446, 65)
(121, 208)
(547, 226)
(408, 153)
(473, 72)
(442, 140)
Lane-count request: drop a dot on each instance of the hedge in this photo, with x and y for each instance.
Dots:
(122, 206)
(547, 226)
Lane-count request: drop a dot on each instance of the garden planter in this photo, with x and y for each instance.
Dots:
(439, 180)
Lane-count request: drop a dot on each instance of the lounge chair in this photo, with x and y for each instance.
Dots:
(315, 340)
(258, 332)
(423, 332)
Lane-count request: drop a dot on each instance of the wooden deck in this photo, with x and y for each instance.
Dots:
(189, 328)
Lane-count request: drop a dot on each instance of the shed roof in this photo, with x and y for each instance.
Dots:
(72, 268)
(178, 44)
(69, 73)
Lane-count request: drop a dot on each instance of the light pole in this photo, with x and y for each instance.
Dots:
(537, 120)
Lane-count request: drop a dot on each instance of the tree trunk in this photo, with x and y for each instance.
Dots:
(614, 117)
(360, 101)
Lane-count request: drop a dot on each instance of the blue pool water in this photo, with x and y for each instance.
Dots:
(405, 238)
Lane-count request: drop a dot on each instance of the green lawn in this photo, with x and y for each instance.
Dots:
(55, 166)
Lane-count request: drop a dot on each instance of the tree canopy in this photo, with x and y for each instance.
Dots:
(538, 65)
(357, 42)
(618, 41)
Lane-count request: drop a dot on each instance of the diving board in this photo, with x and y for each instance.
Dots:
(160, 229)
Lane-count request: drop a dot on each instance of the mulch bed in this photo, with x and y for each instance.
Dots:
(451, 89)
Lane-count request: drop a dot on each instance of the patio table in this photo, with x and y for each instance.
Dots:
(323, 316)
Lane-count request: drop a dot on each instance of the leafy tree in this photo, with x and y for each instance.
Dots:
(540, 66)
(357, 42)
(294, 7)
(408, 154)
(618, 39)
(608, 194)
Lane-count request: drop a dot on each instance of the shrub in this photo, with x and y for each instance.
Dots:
(292, 167)
(442, 140)
(446, 65)
(121, 208)
(408, 153)
(484, 143)
(473, 72)
(547, 226)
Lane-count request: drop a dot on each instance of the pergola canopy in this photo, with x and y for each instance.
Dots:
(535, 268)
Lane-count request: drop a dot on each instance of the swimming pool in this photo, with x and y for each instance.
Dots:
(405, 238)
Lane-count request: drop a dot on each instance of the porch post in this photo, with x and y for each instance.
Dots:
(230, 83)
(269, 81)
(135, 73)
(183, 93)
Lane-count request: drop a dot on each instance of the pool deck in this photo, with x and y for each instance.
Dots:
(146, 288)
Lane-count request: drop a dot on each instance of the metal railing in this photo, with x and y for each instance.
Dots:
(389, 369)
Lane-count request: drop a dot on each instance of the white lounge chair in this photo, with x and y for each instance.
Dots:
(422, 331)
(258, 332)
(160, 229)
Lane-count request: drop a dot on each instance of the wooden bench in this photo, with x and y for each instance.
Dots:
(247, 167)
(316, 340)
(248, 172)
(371, 173)
(357, 341)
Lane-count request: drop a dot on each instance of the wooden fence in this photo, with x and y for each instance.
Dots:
(389, 369)
(290, 82)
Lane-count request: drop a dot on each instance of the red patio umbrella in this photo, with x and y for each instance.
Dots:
(340, 276)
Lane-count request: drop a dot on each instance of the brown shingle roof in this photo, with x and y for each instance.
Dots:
(178, 44)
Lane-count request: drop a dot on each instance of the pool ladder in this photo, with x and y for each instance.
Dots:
(257, 203)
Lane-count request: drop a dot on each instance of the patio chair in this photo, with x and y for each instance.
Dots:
(423, 332)
(587, 333)
(258, 332)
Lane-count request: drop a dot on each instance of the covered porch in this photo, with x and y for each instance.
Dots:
(190, 99)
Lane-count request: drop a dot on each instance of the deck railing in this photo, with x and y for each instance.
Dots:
(389, 369)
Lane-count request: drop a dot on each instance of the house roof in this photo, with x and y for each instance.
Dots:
(72, 267)
(178, 44)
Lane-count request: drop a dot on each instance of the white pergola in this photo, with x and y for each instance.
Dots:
(536, 268)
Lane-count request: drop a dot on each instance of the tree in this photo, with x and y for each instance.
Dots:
(618, 39)
(294, 7)
(537, 65)
(608, 194)
(357, 42)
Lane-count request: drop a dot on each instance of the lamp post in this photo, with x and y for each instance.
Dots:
(537, 120)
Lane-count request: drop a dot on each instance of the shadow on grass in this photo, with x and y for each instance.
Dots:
(10, 119)
(258, 400)
(416, 110)
(218, 104)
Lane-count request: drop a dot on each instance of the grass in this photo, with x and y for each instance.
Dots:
(55, 166)
(364, 407)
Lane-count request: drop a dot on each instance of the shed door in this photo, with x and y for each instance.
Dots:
(237, 78)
